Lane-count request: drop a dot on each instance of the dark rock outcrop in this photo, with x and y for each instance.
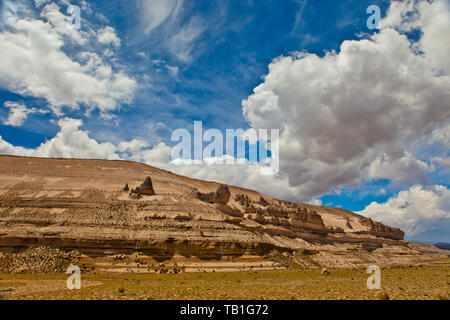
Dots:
(222, 195)
(381, 230)
(146, 188)
(262, 202)
(242, 199)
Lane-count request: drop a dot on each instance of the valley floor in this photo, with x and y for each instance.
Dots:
(431, 281)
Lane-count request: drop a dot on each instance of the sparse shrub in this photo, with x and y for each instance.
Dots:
(163, 270)
(37, 260)
(121, 290)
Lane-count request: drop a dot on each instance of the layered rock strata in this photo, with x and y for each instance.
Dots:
(80, 205)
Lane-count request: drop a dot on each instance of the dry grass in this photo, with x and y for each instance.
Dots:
(397, 283)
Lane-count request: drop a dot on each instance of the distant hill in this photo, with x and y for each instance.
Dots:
(442, 245)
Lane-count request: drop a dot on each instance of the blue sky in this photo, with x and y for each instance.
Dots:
(226, 62)
(170, 63)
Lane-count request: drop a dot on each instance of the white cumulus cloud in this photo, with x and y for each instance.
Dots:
(34, 64)
(357, 113)
(18, 113)
(417, 211)
(107, 35)
(400, 169)
(70, 142)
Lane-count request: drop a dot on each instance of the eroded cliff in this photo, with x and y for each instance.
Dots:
(82, 205)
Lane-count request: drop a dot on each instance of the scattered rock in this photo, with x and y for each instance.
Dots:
(325, 271)
(242, 199)
(135, 194)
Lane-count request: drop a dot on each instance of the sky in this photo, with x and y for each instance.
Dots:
(363, 114)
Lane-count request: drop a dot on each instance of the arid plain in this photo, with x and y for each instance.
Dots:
(174, 237)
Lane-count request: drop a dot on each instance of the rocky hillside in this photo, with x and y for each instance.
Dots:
(117, 213)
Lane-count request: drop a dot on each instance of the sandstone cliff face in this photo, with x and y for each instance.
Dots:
(80, 204)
